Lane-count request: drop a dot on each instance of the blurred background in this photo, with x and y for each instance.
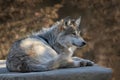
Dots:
(100, 25)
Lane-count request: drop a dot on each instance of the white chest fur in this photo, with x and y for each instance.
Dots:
(71, 50)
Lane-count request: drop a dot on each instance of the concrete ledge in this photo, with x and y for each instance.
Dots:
(82, 73)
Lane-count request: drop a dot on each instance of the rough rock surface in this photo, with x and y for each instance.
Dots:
(82, 73)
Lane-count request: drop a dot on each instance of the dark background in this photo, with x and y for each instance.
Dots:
(100, 25)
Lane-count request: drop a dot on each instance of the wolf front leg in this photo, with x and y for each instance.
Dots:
(77, 62)
(62, 61)
(83, 62)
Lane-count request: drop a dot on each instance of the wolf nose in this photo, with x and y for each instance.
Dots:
(83, 43)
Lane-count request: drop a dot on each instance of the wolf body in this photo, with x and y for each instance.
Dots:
(48, 49)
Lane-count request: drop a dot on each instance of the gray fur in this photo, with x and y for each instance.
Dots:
(49, 49)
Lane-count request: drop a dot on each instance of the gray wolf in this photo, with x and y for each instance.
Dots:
(48, 49)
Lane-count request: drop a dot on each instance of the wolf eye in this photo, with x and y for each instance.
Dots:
(66, 23)
(81, 33)
(74, 33)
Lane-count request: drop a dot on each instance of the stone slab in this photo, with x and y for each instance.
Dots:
(83, 73)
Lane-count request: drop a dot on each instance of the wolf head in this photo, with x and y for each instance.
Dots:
(70, 33)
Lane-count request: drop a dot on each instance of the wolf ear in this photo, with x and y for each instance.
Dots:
(67, 21)
(77, 22)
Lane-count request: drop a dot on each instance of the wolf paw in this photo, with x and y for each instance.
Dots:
(86, 63)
